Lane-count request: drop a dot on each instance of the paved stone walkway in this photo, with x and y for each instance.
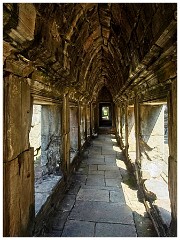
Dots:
(102, 200)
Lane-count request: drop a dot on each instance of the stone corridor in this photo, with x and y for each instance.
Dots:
(77, 77)
(102, 198)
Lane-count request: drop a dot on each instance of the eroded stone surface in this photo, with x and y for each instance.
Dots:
(93, 195)
(102, 212)
(65, 54)
(78, 229)
(115, 230)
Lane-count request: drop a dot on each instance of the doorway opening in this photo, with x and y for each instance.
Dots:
(105, 115)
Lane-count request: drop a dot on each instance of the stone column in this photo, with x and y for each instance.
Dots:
(126, 131)
(85, 118)
(88, 114)
(79, 126)
(137, 129)
(119, 122)
(18, 159)
(123, 126)
(91, 119)
(66, 135)
(172, 161)
(96, 117)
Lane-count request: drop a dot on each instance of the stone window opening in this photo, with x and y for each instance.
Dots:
(88, 122)
(45, 137)
(123, 127)
(73, 132)
(154, 153)
(83, 126)
(35, 140)
(131, 133)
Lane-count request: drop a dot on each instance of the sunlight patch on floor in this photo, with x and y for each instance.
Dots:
(117, 149)
(120, 164)
(132, 200)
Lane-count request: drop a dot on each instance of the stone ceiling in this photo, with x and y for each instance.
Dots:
(84, 46)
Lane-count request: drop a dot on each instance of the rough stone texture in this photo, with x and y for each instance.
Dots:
(56, 52)
(93, 195)
(20, 195)
(172, 161)
(43, 189)
(102, 205)
(35, 133)
(101, 212)
(78, 229)
(115, 230)
(51, 152)
(17, 97)
(73, 131)
(117, 196)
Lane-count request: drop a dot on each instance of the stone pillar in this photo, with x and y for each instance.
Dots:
(66, 136)
(123, 126)
(85, 124)
(96, 117)
(137, 132)
(113, 115)
(172, 161)
(18, 159)
(88, 114)
(137, 129)
(119, 121)
(116, 118)
(91, 119)
(126, 131)
(79, 127)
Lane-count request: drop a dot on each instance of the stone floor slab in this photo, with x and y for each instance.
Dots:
(117, 196)
(92, 172)
(83, 186)
(113, 174)
(93, 209)
(102, 212)
(78, 229)
(67, 203)
(92, 160)
(93, 195)
(114, 230)
(107, 168)
(111, 162)
(95, 181)
(93, 167)
(113, 182)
